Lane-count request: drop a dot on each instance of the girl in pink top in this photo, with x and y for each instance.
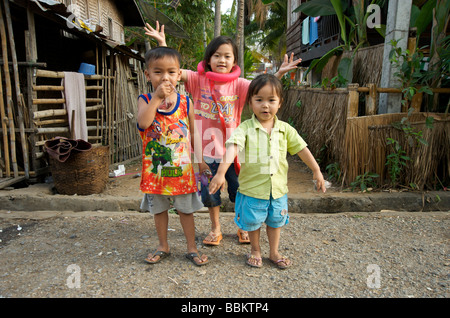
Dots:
(219, 97)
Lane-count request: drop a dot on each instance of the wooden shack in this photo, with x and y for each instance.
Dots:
(42, 40)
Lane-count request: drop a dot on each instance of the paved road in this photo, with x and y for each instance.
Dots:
(100, 254)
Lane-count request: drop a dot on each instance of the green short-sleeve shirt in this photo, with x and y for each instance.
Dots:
(262, 156)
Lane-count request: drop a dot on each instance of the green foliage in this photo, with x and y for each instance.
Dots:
(396, 160)
(335, 82)
(250, 60)
(408, 71)
(413, 137)
(334, 171)
(271, 36)
(364, 181)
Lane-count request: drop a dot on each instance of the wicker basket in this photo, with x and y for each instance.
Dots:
(83, 173)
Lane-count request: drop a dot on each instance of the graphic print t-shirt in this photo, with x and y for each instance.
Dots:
(230, 98)
(166, 154)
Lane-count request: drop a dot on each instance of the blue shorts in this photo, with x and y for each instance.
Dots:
(212, 200)
(251, 213)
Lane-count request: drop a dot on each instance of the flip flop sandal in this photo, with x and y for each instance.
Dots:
(215, 240)
(241, 239)
(191, 256)
(257, 261)
(286, 261)
(161, 255)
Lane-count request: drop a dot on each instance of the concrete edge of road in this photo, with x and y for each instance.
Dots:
(302, 203)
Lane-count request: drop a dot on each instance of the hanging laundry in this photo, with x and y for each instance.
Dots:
(313, 30)
(75, 95)
(305, 31)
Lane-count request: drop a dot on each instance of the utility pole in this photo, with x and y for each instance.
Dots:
(397, 28)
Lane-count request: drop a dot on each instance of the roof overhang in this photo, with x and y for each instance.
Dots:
(59, 13)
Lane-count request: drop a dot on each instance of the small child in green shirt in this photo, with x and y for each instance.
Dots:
(262, 143)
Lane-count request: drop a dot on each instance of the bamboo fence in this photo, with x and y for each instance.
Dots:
(8, 160)
(26, 123)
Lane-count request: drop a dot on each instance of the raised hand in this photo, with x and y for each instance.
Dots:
(288, 65)
(156, 33)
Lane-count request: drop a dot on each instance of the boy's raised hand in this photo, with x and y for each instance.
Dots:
(164, 89)
(157, 33)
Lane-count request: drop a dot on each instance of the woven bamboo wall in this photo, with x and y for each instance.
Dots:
(359, 144)
(320, 119)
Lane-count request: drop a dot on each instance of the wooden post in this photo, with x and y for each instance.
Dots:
(9, 100)
(371, 100)
(353, 100)
(31, 56)
(19, 98)
(4, 120)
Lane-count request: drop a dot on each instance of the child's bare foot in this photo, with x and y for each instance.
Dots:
(253, 261)
(213, 238)
(198, 260)
(243, 237)
(156, 256)
(281, 262)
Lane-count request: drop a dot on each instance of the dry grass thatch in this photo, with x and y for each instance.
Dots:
(320, 119)
(367, 65)
(359, 144)
(429, 164)
(366, 149)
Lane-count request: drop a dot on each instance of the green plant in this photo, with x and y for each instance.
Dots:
(412, 136)
(364, 181)
(339, 80)
(396, 160)
(324, 82)
(408, 71)
(334, 171)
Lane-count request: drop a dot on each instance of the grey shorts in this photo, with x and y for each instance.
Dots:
(184, 203)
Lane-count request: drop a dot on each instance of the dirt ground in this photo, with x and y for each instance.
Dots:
(93, 253)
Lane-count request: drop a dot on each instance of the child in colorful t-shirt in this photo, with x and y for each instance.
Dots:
(166, 126)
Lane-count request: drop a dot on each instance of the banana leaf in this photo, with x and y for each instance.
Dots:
(319, 64)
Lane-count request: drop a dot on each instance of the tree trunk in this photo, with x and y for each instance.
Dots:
(217, 19)
(240, 35)
(204, 35)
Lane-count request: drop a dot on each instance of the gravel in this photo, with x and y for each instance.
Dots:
(101, 254)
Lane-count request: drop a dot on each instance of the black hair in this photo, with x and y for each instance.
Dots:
(214, 45)
(160, 52)
(262, 80)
